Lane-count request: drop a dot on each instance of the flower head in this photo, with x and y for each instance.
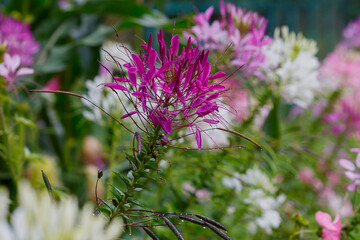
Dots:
(10, 69)
(18, 39)
(37, 217)
(243, 30)
(351, 34)
(291, 63)
(341, 70)
(331, 229)
(352, 170)
(169, 89)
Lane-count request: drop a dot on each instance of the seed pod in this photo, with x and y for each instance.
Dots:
(193, 220)
(173, 228)
(209, 220)
(100, 173)
(217, 231)
(150, 233)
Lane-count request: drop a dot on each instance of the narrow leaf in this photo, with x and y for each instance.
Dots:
(47, 185)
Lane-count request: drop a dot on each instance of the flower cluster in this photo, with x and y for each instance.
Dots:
(260, 198)
(341, 71)
(292, 66)
(18, 39)
(37, 217)
(351, 34)
(243, 30)
(20, 46)
(171, 90)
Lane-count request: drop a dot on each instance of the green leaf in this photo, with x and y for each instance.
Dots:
(47, 184)
(25, 122)
(97, 37)
(125, 180)
(130, 200)
(108, 205)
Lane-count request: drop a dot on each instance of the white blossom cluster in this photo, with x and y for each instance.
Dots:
(39, 218)
(292, 66)
(260, 198)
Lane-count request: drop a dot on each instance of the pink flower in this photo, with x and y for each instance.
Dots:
(245, 31)
(18, 39)
(171, 89)
(10, 69)
(352, 34)
(352, 171)
(331, 229)
(341, 70)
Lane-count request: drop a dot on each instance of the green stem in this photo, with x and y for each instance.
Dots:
(136, 177)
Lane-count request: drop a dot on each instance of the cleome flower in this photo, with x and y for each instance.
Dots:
(351, 35)
(18, 39)
(243, 30)
(292, 66)
(10, 70)
(352, 170)
(331, 229)
(171, 90)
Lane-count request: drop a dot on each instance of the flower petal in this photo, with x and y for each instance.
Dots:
(25, 71)
(116, 86)
(347, 164)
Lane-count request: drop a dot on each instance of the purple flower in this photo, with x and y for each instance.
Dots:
(352, 170)
(351, 34)
(18, 39)
(10, 69)
(171, 89)
(245, 31)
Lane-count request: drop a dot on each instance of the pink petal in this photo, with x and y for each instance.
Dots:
(198, 138)
(25, 71)
(3, 70)
(210, 121)
(175, 44)
(12, 63)
(347, 164)
(128, 114)
(116, 86)
(138, 62)
(217, 75)
(166, 124)
(121, 79)
(324, 220)
(352, 175)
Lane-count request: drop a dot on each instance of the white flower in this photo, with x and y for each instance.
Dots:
(37, 217)
(292, 65)
(102, 97)
(268, 206)
(257, 178)
(232, 182)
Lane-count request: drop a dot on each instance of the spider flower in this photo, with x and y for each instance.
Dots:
(341, 70)
(352, 170)
(18, 39)
(291, 63)
(171, 89)
(331, 229)
(10, 70)
(351, 34)
(243, 30)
